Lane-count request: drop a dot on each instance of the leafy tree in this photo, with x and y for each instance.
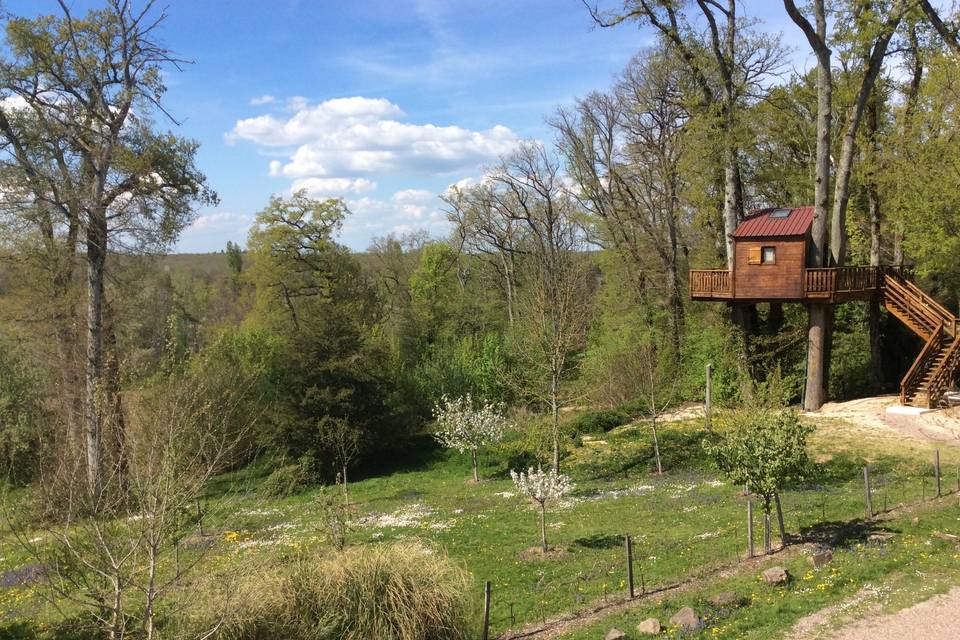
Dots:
(763, 449)
(82, 154)
(543, 487)
(463, 426)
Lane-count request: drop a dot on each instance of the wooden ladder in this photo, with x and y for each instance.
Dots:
(936, 368)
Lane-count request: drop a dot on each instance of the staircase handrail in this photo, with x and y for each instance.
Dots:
(915, 311)
(943, 375)
(911, 379)
(949, 320)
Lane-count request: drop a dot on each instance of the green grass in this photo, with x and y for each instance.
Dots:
(683, 523)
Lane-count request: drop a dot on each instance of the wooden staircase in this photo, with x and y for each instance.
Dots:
(935, 369)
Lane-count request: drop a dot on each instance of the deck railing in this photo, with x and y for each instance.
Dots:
(710, 283)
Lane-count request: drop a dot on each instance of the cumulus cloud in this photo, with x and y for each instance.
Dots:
(361, 135)
(333, 187)
(264, 99)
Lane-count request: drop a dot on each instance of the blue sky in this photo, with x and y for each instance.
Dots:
(384, 103)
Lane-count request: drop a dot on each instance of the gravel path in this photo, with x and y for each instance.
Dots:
(935, 619)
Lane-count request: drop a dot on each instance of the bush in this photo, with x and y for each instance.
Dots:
(598, 422)
(290, 479)
(404, 591)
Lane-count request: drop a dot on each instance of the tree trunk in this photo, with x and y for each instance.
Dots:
(656, 447)
(543, 528)
(473, 459)
(841, 196)
(346, 490)
(767, 547)
(818, 333)
(780, 524)
(875, 219)
(555, 411)
(96, 241)
(815, 392)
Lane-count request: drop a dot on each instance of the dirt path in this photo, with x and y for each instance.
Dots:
(871, 413)
(935, 619)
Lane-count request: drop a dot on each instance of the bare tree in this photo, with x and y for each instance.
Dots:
(624, 151)
(344, 440)
(117, 555)
(527, 191)
(480, 231)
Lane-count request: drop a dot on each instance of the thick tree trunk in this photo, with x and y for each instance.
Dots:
(818, 334)
(96, 242)
(875, 217)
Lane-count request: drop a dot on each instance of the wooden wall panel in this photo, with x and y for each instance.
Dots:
(780, 281)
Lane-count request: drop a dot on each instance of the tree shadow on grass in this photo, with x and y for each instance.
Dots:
(599, 541)
(840, 533)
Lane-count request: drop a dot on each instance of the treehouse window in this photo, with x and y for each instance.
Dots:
(769, 255)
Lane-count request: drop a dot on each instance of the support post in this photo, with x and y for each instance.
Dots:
(708, 405)
(936, 468)
(866, 488)
(749, 527)
(486, 610)
(630, 566)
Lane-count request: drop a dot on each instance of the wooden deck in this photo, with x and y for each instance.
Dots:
(829, 285)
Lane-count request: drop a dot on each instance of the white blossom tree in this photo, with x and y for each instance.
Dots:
(465, 427)
(542, 487)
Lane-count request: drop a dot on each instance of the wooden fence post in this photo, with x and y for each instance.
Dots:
(486, 610)
(630, 565)
(936, 468)
(708, 407)
(749, 527)
(866, 488)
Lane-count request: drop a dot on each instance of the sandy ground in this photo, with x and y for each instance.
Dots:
(942, 425)
(935, 619)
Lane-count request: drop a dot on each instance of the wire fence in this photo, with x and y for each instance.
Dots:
(812, 512)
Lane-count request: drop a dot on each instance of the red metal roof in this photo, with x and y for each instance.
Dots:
(759, 224)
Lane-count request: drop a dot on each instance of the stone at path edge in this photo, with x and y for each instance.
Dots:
(776, 575)
(649, 627)
(687, 619)
(615, 634)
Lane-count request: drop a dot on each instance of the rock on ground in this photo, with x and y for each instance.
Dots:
(776, 575)
(687, 619)
(649, 627)
(615, 634)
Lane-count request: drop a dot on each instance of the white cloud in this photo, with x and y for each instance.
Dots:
(264, 99)
(333, 187)
(406, 210)
(365, 135)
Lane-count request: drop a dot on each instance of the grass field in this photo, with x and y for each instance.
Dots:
(686, 523)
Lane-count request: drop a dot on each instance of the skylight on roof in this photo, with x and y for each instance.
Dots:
(780, 214)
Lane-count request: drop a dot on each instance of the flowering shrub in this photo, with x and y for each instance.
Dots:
(464, 427)
(542, 487)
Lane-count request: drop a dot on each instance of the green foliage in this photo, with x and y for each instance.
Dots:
(598, 422)
(24, 421)
(761, 448)
(290, 479)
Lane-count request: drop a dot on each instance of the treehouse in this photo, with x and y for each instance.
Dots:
(771, 258)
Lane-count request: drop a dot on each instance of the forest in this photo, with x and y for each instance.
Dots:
(132, 378)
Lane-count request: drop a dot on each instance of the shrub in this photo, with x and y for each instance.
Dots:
(403, 591)
(290, 479)
(597, 422)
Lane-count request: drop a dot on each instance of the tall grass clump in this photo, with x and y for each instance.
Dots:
(403, 591)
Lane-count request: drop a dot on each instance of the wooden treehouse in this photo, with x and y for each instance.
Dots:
(770, 265)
